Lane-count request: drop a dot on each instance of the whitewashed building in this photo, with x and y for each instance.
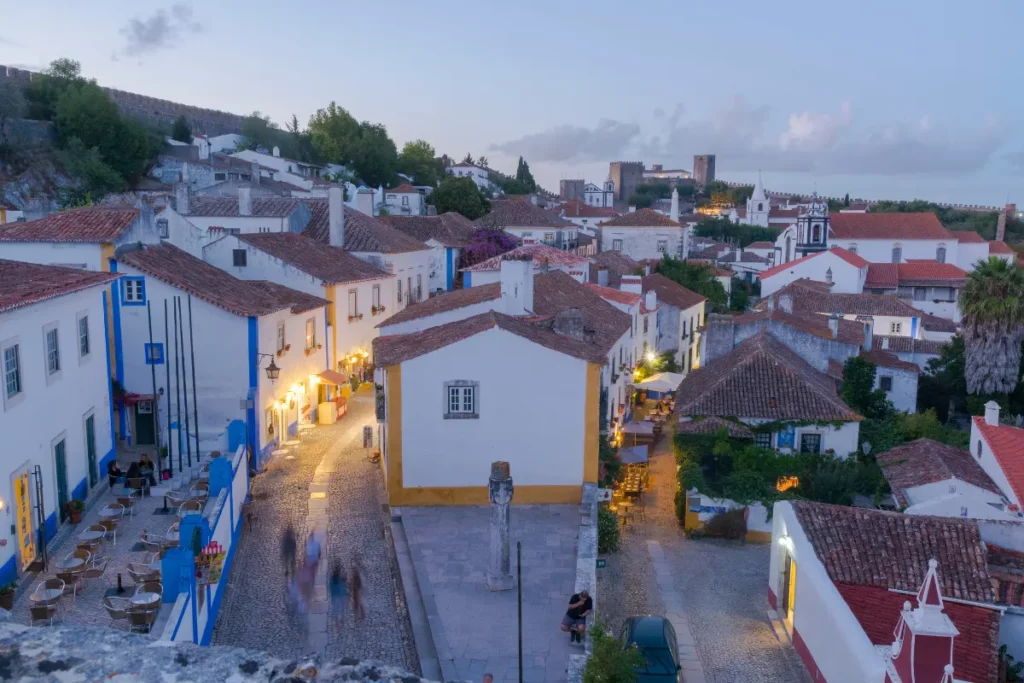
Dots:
(530, 224)
(997, 448)
(680, 317)
(599, 196)
(845, 271)
(237, 329)
(404, 200)
(56, 413)
(300, 173)
(544, 258)
(585, 216)
(478, 174)
(447, 236)
(643, 234)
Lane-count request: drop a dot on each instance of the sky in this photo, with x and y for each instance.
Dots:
(878, 99)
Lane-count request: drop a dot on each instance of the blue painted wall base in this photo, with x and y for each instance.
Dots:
(8, 572)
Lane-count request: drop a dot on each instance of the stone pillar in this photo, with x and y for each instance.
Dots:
(499, 490)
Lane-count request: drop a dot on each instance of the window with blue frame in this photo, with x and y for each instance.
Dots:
(154, 354)
(134, 291)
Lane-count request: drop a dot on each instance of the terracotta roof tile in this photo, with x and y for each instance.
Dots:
(906, 344)
(180, 269)
(89, 224)
(1007, 444)
(760, 245)
(933, 323)
(712, 425)
(998, 247)
(925, 461)
(616, 295)
(890, 550)
(967, 237)
(397, 348)
(451, 229)
(329, 264)
(641, 218)
(922, 273)
(809, 298)
(617, 263)
(888, 226)
(849, 331)
(577, 209)
(24, 284)
(889, 360)
(404, 188)
(227, 207)
(762, 378)
(714, 269)
(520, 213)
(541, 254)
(671, 292)
(362, 233)
(448, 301)
(882, 276)
(850, 257)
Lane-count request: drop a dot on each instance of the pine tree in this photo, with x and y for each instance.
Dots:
(519, 170)
(528, 177)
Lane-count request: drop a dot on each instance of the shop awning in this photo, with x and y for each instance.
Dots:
(333, 377)
(633, 455)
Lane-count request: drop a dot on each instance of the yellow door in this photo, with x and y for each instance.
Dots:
(23, 511)
(790, 587)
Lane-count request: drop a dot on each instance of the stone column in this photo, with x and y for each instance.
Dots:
(499, 490)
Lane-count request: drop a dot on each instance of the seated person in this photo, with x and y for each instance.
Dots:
(146, 468)
(575, 619)
(114, 472)
(134, 472)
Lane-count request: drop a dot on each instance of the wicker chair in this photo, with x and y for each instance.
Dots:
(96, 567)
(110, 526)
(42, 612)
(151, 543)
(91, 547)
(149, 587)
(176, 498)
(80, 554)
(117, 609)
(139, 485)
(141, 619)
(190, 507)
(70, 584)
(140, 574)
(128, 503)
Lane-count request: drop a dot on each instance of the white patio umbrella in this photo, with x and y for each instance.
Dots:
(661, 382)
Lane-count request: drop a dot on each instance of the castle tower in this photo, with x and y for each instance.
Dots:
(923, 649)
(758, 205)
(812, 227)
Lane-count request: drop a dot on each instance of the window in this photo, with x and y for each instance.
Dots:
(134, 291)
(83, 336)
(154, 354)
(684, 328)
(810, 443)
(978, 449)
(408, 288)
(852, 249)
(281, 343)
(897, 254)
(885, 383)
(239, 258)
(940, 254)
(399, 281)
(405, 200)
(645, 324)
(919, 293)
(760, 206)
(461, 399)
(895, 328)
(310, 333)
(549, 237)
(161, 228)
(419, 288)
(52, 351)
(828, 275)
(220, 176)
(662, 246)
(963, 510)
(353, 303)
(617, 245)
(12, 371)
(816, 235)
(763, 439)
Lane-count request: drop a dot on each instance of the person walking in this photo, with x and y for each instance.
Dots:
(337, 587)
(355, 586)
(288, 549)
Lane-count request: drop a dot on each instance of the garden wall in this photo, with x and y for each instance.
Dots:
(700, 509)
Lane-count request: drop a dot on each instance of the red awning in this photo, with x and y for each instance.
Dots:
(333, 377)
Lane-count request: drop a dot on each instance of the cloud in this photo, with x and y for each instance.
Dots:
(1016, 160)
(8, 41)
(573, 143)
(163, 29)
(815, 131)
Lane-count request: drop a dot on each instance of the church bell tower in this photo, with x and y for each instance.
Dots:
(812, 226)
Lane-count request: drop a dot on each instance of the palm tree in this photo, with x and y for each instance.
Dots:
(992, 304)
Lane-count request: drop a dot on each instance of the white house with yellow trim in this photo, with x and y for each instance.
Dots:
(454, 398)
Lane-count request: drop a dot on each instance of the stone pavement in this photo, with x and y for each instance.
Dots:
(716, 589)
(450, 546)
(326, 481)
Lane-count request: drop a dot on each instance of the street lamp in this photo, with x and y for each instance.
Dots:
(273, 372)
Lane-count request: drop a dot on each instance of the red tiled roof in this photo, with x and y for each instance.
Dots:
(929, 273)
(891, 550)
(641, 218)
(783, 213)
(888, 226)
(781, 268)
(1007, 444)
(889, 360)
(404, 188)
(616, 295)
(88, 224)
(925, 461)
(578, 209)
(760, 245)
(362, 233)
(907, 344)
(227, 207)
(812, 297)
(850, 257)
(180, 269)
(24, 284)
(329, 264)
(933, 323)
(448, 301)
(845, 254)
(451, 229)
(850, 331)
(975, 650)
(397, 348)
(520, 213)
(999, 247)
(762, 378)
(712, 268)
(671, 292)
(712, 425)
(882, 276)
(541, 254)
(967, 237)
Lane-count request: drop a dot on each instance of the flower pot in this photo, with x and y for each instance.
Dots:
(75, 515)
(7, 600)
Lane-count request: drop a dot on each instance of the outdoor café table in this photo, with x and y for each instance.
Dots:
(90, 536)
(46, 595)
(145, 598)
(69, 563)
(172, 535)
(110, 513)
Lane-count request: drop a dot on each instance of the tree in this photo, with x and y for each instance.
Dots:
(482, 162)
(256, 129)
(365, 147)
(846, 199)
(942, 386)
(696, 277)
(12, 107)
(461, 195)
(45, 89)
(738, 196)
(469, 159)
(992, 304)
(641, 201)
(513, 186)
(859, 389)
(375, 157)
(181, 131)
(610, 662)
(417, 160)
(524, 176)
(95, 177)
(723, 229)
(739, 297)
(655, 190)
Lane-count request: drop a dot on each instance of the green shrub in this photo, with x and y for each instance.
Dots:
(731, 525)
(607, 530)
(610, 663)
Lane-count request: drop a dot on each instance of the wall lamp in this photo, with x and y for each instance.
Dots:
(273, 372)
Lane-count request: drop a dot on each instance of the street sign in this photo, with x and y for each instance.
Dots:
(604, 495)
(601, 564)
(367, 436)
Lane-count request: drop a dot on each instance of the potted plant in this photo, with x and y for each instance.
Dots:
(75, 508)
(7, 595)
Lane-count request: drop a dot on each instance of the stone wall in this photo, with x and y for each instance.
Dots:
(154, 110)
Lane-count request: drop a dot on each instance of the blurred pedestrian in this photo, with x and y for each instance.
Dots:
(337, 586)
(288, 549)
(355, 587)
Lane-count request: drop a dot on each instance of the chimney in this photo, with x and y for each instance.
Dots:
(833, 325)
(204, 148)
(431, 210)
(786, 303)
(632, 209)
(570, 323)
(364, 201)
(992, 413)
(885, 343)
(602, 276)
(674, 212)
(277, 151)
(650, 300)
(923, 649)
(336, 215)
(771, 303)
(244, 200)
(255, 173)
(181, 198)
(869, 336)
(632, 283)
(517, 285)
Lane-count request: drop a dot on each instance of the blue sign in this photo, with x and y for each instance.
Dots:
(786, 438)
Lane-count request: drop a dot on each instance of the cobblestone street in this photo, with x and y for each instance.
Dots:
(721, 586)
(254, 610)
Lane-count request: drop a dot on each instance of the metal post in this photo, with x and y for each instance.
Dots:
(177, 385)
(192, 352)
(167, 367)
(519, 592)
(156, 401)
(184, 381)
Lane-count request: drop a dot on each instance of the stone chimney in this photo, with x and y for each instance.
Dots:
(570, 323)
(431, 210)
(885, 343)
(517, 285)
(992, 413)
(277, 151)
(255, 173)
(182, 194)
(786, 303)
(650, 300)
(833, 324)
(632, 283)
(602, 276)
(364, 201)
(336, 215)
(869, 337)
(923, 649)
(244, 200)
(674, 211)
